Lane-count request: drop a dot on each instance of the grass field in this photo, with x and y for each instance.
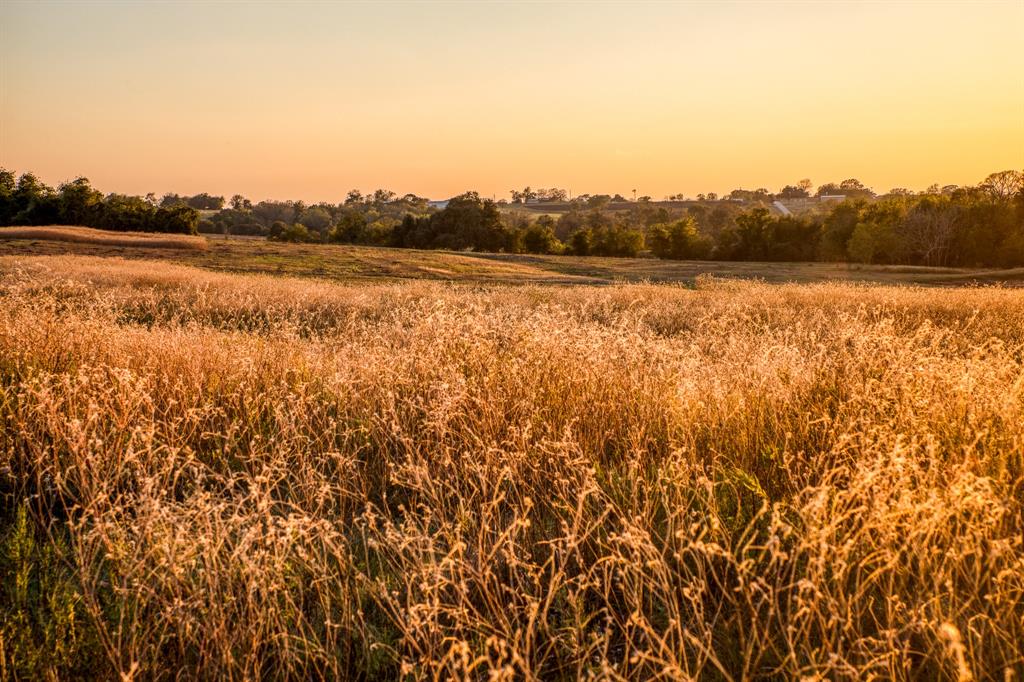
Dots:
(349, 263)
(102, 238)
(238, 476)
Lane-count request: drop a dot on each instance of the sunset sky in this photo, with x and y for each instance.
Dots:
(307, 101)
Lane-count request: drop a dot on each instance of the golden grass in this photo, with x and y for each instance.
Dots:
(254, 477)
(88, 235)
(350, 263)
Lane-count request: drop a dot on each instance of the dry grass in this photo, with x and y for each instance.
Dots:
(88, 235)
(362, 263)
(246, 477)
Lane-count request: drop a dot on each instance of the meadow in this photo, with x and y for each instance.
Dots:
(89, 236)
(213, 474)
(350, 263)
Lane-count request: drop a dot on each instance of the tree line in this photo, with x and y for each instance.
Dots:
(980, 225)
(24, 200)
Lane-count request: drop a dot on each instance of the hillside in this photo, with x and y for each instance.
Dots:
(346, 263)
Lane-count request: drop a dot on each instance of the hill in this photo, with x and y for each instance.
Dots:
(347, 263)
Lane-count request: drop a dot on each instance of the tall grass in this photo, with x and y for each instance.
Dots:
(243, 477)
(88, 235)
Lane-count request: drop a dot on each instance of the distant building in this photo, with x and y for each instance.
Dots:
(832, 197)
(438, 204)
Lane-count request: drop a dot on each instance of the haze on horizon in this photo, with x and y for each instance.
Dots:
(310, 100)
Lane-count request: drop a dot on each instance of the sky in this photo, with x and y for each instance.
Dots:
(308, 100)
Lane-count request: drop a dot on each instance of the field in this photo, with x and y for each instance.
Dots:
(212, 473)
(101, 238)
(364, 263)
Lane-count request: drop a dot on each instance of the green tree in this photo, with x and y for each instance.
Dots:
(680, 240)
(539, 237)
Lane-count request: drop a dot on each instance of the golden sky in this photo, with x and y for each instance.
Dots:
(297, 100)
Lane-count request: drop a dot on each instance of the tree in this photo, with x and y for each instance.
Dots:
(177, 219)
(8, 205)
(876, 237)
(793, 192)
(296, 233)
(467, 222)
(240, 203)
(837, 229)
(269, 212)
(350, 228)
(80, 204)
(383, 196)
(616, 240)
(871, 243)
(929, 229)
(316, 218)
(539, 237)
(580, 242)
(354, 196)
(680, 240)
(552, 195)
(523, 196)
(1004, 185)
(205, 202)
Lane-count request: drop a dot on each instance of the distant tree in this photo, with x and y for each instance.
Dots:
(758, 195)
(354, 196)
(793, 192)
(177, 219)
(580, 242)
(35, 203)
(240, 203)
(876, 237)
(1004, 185)
(295, 233)
(383, 196)
(680, 240)
(205, 202)
(350, 229)
(552, 195)
(8, 204)
(869, 242)
(929, 229)
(539, 237)
(837, 229)
(80, 204)
(269, 212)
(316, 218)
